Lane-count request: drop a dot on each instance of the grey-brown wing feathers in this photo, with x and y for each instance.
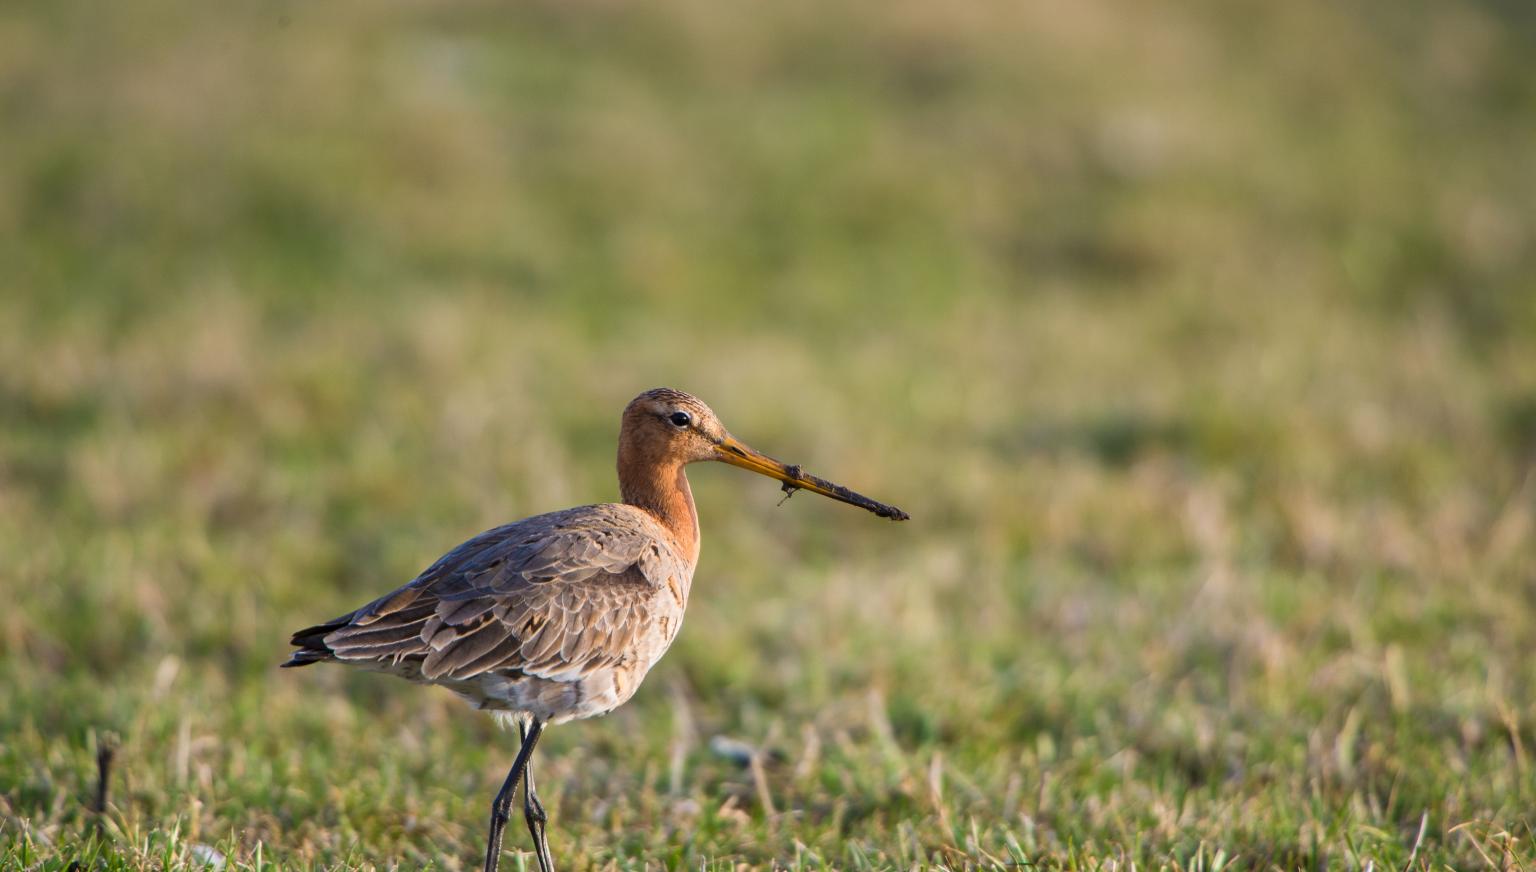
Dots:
(555, 596)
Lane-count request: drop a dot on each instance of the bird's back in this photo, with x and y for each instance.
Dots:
(558, 616)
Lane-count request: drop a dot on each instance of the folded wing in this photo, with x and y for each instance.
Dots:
(555, 596)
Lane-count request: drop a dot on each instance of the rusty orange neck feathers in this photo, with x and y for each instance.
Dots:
(651, 478)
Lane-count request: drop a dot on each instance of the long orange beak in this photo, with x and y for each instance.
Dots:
(735, 453)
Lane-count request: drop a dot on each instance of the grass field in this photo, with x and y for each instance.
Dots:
(1199, 340)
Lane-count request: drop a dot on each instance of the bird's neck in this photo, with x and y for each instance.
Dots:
(662, 490)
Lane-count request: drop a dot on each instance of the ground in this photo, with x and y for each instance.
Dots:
(1199, 341)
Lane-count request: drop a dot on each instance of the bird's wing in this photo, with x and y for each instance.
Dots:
(554, 597)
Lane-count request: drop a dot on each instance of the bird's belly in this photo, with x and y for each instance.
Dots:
(572, 692)
(553, 700)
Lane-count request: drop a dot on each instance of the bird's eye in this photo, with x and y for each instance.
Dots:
(681, 419)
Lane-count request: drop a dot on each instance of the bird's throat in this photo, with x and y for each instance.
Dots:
(662, 490)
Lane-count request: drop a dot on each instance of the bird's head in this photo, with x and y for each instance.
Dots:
(664, 426)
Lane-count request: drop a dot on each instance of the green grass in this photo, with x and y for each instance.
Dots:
(1200, 342)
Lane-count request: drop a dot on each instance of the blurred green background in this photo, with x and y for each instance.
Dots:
(1199, 339)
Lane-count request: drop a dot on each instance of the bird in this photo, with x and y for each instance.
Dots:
(558, 617)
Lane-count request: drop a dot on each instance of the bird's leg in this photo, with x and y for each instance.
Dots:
(533, 813)
(501, 807)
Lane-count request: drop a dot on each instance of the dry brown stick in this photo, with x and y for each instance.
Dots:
(106, 750)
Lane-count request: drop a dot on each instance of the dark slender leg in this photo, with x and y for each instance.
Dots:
(501, 808)
(533, 813)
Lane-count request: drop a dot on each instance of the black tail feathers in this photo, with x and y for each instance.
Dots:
(311, 644)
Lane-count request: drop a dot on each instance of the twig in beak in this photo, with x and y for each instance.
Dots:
(789, 488)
